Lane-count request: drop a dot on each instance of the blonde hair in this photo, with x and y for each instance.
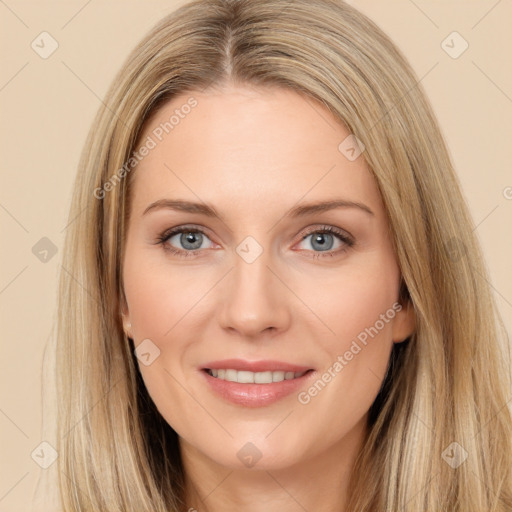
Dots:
(447, 384)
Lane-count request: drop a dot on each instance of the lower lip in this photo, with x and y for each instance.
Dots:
(255, 395)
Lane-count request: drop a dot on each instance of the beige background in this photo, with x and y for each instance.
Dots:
(47, 107)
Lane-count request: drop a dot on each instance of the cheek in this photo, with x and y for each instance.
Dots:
(159, 299)
(353, 300)
(158, 296)
(163, 306)
(358, 306)
(358, 357)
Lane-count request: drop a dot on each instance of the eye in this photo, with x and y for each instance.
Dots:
(323, 239)
(191, 240)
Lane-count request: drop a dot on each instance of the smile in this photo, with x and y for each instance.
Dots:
(248, 377)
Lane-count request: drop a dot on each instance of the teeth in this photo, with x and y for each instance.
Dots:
(245, 377)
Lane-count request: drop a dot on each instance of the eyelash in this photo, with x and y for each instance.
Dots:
(348, 241)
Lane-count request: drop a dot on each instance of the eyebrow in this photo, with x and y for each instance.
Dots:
(299, 211)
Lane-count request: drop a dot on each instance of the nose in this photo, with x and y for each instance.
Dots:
(254, 299)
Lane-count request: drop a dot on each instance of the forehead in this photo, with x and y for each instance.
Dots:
(248, 146)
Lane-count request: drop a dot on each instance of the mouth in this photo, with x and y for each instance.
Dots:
(249, 377)
(255, 383)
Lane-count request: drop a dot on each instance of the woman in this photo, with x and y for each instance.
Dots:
(209, 356)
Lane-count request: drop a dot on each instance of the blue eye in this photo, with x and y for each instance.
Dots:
(192, 240)
(323, 240)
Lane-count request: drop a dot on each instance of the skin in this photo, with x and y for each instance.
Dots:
(253, 154)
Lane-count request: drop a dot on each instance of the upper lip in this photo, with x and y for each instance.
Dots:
(255, 366)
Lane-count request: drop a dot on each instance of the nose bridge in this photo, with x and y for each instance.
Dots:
(255, 299)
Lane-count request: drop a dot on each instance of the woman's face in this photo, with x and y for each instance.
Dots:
(250, 274)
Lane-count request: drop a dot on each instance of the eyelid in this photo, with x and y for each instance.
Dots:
(327, 228)
(183, 228)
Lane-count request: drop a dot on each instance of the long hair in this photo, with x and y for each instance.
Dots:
(440, 434)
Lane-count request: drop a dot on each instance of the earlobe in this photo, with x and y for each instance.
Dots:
(404, 323)
(127, 327)
(125, 316)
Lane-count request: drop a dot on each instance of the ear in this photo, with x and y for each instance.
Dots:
(404, 322)
(125, 316)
